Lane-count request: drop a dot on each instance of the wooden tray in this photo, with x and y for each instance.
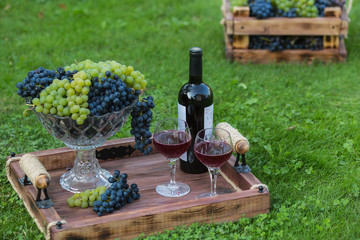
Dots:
(152, 212)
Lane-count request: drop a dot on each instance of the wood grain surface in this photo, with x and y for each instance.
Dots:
(287, 26)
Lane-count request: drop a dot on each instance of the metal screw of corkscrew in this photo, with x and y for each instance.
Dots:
(243, 168)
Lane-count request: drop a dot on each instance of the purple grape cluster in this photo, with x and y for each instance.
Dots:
(38, 79)
(109, 95)
(290, 14)
(140, 124)
(278, 43)
(321, 5)
(261, 9)
(117, 196)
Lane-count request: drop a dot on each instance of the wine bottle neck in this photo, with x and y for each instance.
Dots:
(195, 73)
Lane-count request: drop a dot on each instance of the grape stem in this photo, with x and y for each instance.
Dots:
(30, 105)
(265, 39)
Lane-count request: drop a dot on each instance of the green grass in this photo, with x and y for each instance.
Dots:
(313, 170)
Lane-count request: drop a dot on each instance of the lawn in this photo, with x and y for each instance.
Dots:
(312, 169)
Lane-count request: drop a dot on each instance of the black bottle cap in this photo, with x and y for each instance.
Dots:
(196, 52)
(195, 65)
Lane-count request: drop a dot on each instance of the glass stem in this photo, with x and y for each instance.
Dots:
(214, 172)
(172, 165)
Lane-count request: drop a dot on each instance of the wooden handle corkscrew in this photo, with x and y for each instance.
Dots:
(39, 177)
(239, 142)
(35, 171)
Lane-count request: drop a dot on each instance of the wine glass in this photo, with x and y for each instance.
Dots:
(172, 138)
(213, 147)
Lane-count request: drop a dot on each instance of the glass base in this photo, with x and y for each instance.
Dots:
(169, 190)
(205, 195)
(73, 183)
(218, 192)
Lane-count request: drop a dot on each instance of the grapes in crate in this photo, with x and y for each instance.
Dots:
(278, 43)
(263, 9)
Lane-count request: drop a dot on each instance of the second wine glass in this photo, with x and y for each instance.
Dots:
(172, 138)
(213, 147)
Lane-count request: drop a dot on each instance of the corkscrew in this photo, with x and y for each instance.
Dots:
(36, 174)
(240, 146)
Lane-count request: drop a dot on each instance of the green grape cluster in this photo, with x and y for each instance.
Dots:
(63, 98)
(304, 8)
(284, 5)
(86, 199)
(133, 79)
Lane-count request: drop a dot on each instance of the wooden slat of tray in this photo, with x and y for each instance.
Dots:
(64, 157)
(152, 212)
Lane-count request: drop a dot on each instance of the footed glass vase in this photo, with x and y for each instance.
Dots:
(86, 172)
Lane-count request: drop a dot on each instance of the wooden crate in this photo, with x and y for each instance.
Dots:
(238, 27)
(152, 212)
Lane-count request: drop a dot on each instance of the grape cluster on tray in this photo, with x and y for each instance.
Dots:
(107, 200)
(262, 9)
(90, 89)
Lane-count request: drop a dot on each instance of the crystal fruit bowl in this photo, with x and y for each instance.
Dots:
(86, 172)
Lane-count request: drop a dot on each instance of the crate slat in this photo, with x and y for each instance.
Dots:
(344, 23)
(308, 56)
(241, 41)
(287, 26)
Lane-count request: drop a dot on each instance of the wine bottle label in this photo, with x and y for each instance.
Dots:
(208, 120)
(208, 116)
(182, 116)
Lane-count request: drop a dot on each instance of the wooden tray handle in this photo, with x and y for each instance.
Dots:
(239, 142)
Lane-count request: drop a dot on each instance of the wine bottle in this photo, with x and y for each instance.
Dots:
(195, 106)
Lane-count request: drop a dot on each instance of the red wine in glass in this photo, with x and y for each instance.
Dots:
(213, 154)
(172, 143)
(172, 138)
(213, 147)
